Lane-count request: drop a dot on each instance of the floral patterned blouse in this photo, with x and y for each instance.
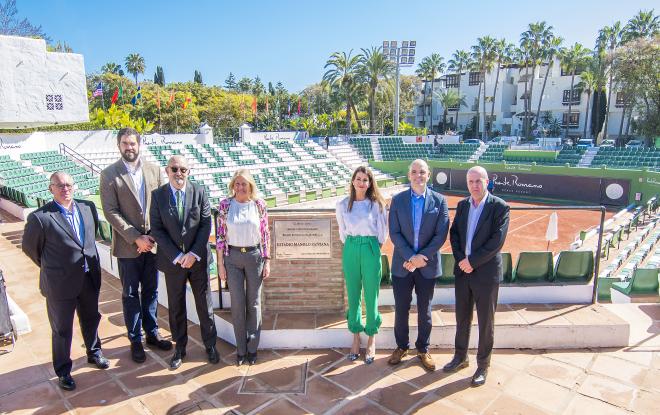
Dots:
(221, 227)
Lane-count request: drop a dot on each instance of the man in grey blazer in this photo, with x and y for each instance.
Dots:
(60, 238)
(418, 223)
(126, 187)
(181, 224)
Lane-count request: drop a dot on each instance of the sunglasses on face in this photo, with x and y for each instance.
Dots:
(177, 169)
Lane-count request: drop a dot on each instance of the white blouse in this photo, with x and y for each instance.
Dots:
(365, 219)
(243, 224)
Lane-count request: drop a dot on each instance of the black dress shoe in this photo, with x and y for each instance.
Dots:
(177, 359)
(159, 342)
(212, 353)
(137, 352)
(455, 365)
(100, 361)
(479, 377)
(240, 359)
(67, 383)
(252, 358)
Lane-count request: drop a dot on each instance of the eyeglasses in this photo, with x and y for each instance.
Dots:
(63, 186)
(177, 169)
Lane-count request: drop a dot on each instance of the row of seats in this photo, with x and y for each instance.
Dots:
(627, 157)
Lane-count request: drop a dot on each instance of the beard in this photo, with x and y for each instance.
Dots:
(130, 156)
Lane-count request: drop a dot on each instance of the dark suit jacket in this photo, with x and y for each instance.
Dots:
(121, 205)
(488, 238)
(51, 243)
(174, 237)
(432, 232)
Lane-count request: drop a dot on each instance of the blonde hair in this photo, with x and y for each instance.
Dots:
(244, 173)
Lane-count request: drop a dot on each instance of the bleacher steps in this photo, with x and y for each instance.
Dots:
(588, 157)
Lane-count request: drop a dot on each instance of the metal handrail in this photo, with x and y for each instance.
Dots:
(93, 167)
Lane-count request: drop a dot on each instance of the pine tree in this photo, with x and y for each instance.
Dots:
(230, 82)
(197, 78)
(159, 76)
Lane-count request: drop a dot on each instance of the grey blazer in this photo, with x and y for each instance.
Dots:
(50, 242)
(432, 232)
(121, 206)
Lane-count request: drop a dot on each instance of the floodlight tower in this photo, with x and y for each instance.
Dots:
(403, 55)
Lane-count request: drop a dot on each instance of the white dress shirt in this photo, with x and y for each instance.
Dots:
(366, 218)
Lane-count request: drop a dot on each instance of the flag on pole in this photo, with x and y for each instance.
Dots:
(121, 93)
(186, 102)
(254, 106)
(98, 92)
(158, 98)
(171, 100)
(115, 96)
(298, 105)
(552, 233)
(137, 96)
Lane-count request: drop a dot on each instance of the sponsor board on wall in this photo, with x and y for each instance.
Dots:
(515, 183)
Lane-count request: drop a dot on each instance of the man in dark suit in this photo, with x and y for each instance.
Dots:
(418, 223)
(126, 187)
(181, 224)
(477, 236)
(60, 238)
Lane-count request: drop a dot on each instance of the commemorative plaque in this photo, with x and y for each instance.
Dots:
(302, 239)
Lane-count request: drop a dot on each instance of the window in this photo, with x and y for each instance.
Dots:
(574, 100)
(578, 71)
(621, 100)
(451, 81)
(54, 103)
(573, 121)
(454, 108)
(475, 78)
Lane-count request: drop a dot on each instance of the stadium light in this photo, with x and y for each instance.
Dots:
(403, 55)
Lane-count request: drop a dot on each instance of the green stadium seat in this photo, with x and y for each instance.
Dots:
(447, 276)
(574, 267)
(386, 274)
(507, 267)
(105, 230)
(644, 282)
(533, 267)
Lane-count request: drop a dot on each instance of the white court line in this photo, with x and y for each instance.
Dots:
(529, 223)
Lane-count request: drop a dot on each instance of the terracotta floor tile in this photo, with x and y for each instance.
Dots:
(641, 357)
(243, 403)
(213, 379)
(652, 380)
(57, 408)
(319, 359)
(556, 372)
(541, 316)
(581, 405)
(281, 407)
(608, 390)
(438, 406)
(97, 398)
(286, 375)
(506, 404)
(147, 378)
(646, 403)
(321, 395)
(29, 399)
(171, 399)
(356, 375)
(578, 358)
(87, 376)
(332, 320)
(515, 359)
(360, 406)
(12, 380)
(508, 316)
(394, 393)
(621, 370)
(474, 399)
(538, 392)
(298, 321)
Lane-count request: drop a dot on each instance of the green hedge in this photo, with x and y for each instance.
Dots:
(530, 155)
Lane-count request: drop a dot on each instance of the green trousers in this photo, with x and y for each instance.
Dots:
(362, 269)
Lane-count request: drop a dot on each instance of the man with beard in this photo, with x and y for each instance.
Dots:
(126, 187)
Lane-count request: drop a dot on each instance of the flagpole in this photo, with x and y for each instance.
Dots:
(102, 97)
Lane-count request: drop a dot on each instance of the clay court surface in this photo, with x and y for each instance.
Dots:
(527, 228)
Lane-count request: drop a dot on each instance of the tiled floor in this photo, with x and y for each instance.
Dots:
(604, 381)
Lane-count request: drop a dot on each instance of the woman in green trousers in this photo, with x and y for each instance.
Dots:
(362, 220)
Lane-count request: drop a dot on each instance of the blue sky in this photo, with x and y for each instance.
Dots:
(290, 41)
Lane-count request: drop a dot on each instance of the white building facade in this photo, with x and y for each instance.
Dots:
(509, 99)
(38, 87)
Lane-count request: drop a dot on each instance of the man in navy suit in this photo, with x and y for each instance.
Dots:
(418, 223)
(477, 236)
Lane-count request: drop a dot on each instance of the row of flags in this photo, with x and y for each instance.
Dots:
(119, 93)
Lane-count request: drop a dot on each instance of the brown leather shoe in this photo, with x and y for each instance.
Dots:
(397, 355)
(427, 361)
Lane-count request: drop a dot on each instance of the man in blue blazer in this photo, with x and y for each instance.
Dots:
(477, 236)
(418, 223)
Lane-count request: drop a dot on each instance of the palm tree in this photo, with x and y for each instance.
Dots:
(535, 38)
(429, 69)
(642, 25)
(522, 59)
(374, 67)
(551, 50)
(504, 53)
(610, 36)
(135, 65)
(588, 83)
(459, 62)
(572, 59)
(113, 68)
(449, 99)
(343, 75)
(483, 57)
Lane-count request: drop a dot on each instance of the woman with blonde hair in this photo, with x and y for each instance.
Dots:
(362, 220)
(243, 250)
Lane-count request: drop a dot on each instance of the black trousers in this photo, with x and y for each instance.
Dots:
(176, 298)
(481, 290)
(403, 288)
(139, 280)
(60, 316)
